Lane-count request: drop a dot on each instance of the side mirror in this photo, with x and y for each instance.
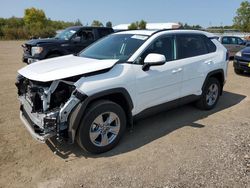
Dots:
(76, 39)
(153, 60)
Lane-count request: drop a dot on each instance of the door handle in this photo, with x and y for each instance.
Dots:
(176, 70)
(209, 62)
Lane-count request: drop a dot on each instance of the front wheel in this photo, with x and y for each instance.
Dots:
(101, 127)
(210, 95)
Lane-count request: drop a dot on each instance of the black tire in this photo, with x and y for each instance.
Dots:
(238, 71)
(52, 56)
(205, 104)
(95, 110)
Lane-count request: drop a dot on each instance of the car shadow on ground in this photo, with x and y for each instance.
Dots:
(151, 128)
(244, 74)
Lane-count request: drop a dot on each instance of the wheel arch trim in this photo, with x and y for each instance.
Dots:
(213, 73)
(78, 112)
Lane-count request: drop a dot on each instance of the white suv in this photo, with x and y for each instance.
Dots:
(91, 97)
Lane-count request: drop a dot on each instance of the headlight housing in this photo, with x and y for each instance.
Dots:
(36, 50)
(239, 54)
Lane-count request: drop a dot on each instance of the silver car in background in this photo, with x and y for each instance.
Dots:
(233, 44)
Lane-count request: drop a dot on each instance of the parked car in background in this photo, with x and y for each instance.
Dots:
(233, 44)
(69, 41)
(242, 61)
(91, 97)
(247, 42)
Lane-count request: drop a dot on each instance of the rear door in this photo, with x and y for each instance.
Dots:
(192, 53)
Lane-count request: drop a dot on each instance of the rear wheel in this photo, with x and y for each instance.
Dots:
(210, 95)
(101, 127)
(238, 71)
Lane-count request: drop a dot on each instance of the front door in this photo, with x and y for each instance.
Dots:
(160, 84)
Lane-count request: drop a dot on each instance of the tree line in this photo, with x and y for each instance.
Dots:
(35, 24)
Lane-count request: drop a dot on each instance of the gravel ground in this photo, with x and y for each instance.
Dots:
(183, 147)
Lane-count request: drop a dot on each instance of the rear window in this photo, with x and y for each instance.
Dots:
(190, 45)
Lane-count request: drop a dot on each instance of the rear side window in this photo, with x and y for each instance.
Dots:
(104, 32)
(190, 45)
(210, 45)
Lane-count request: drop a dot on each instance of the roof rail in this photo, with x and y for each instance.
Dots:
(160, 30)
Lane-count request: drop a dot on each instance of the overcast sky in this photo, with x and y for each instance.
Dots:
(193, 12)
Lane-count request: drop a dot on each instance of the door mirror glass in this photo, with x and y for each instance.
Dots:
(153, 59)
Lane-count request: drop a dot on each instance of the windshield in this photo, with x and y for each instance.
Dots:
(117, 46)
(66, 34)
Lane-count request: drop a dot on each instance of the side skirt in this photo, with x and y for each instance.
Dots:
(166, 106)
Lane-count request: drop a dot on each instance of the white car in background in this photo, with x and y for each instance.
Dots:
(91, 97)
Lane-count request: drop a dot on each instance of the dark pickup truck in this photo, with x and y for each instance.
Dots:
(70, 41)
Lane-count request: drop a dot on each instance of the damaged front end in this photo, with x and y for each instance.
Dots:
(46, 106)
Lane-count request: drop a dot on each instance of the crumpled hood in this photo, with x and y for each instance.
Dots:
(63, 67)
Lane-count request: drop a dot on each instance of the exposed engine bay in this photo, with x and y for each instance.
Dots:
(45, 106)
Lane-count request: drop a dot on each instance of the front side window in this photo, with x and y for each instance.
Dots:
(226, 40)
(190, 46)
(84, 35)
(116, 46)
(163, 45)
(234, 40)
(66, 34)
